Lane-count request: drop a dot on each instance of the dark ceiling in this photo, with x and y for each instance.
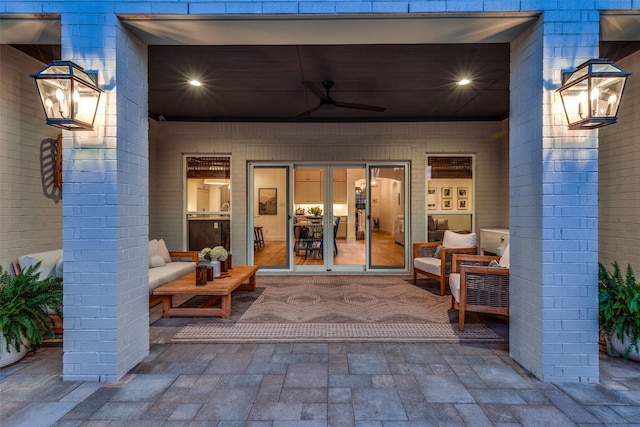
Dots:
(413, 82)
(263, 83)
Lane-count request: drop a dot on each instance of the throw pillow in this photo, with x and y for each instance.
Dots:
(436, 254)
(494, 263)
(163, 251)
(432, 223)
(153, 248)
(156, 261)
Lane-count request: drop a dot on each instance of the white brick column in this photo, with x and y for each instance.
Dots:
(553, 206)
(105, 207)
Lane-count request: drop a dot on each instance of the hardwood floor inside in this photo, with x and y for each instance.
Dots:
(384, 252)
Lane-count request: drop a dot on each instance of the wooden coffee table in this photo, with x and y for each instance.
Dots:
(218, 289)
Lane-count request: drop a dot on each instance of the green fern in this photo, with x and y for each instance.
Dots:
(24, 300)
(619, 304)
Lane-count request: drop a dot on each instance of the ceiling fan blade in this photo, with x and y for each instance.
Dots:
(314, 89)
(309, 111)
(360, 106)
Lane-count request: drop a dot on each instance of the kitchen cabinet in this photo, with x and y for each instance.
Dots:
(342, 228)
(308, 186)
(308, 175)
(208, 233)
(340, 192)
(340, 186)
(340, 175)
(308, 192)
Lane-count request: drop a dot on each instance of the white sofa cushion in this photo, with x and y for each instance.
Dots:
(162, 275)
(452, 239)
(48, 261)
(428, 264)
(156, 261)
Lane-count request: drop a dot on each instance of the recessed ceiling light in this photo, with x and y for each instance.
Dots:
(464, 82)
(195, 83)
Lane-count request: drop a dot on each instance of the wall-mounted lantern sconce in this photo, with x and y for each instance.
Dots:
(69, 96)
(591, 94)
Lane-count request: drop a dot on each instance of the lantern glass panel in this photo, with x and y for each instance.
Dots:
(606, 95)
(576, 101)
(57, 69)
(85, 102)
(56, 97)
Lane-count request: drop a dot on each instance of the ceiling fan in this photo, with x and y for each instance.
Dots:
(326, 102)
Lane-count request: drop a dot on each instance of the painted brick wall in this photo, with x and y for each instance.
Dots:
(328, 142)
(106, 217)
(31, 208)
(554, 330)
(619, 196)
(525, 321)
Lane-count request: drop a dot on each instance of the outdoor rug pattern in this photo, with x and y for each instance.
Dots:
(347, 308)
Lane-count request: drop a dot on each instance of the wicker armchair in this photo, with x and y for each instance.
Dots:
(434, 259)
(477, 287)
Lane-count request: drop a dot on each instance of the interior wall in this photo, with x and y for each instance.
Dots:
(619, 190)
(318, 142)
(30, 207)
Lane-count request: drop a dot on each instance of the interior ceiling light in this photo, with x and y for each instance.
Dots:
(216, 182)
(195, 83)
(464, 82)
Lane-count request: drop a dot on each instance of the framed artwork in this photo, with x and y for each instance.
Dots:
(431, 191)
(267, 201)
(462, 204)
(463, 191)
(447, 192)
(447, 204)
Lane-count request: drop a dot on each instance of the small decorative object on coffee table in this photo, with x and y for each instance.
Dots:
(219, 254)
(201, 275)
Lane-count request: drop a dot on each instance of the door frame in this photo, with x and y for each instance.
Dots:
(328, 266)
(406, 206)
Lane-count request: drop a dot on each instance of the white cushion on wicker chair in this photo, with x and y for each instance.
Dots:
(454, 285)
(428, 264)
(456, 240)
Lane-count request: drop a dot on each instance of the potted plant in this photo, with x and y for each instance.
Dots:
(619, 310)
(24, 304)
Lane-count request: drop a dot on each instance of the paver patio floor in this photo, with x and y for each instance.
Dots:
(322, 384)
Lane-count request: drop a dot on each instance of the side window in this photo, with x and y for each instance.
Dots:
(208, 207)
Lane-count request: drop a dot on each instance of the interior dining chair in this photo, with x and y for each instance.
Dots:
(314, 244)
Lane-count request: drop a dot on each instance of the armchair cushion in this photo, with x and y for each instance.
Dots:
(428, 264)
(454, 285)
(452, 239)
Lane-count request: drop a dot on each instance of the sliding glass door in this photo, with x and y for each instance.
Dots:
(328, 217)
(387, 207)
(270, 214)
